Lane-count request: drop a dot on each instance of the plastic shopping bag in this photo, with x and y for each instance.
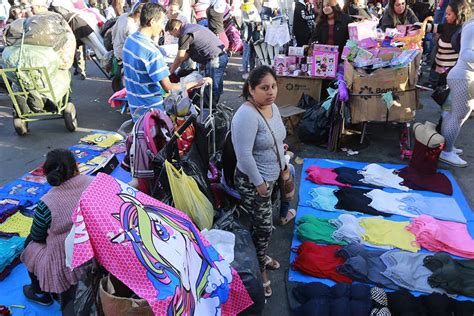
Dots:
(188, 198)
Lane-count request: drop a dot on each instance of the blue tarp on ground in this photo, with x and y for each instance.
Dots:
(303, 209)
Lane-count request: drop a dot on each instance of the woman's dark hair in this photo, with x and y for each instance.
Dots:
(255, 78)
(336, 9)
(462, 9)
(60, 166)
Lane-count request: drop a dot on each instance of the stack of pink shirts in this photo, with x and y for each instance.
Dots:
(321, 175)
(436, 235)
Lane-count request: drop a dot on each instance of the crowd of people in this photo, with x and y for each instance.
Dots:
(257, 130)
(205, 43)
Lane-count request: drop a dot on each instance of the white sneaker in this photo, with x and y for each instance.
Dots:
(458, 151)
(453, 159)
(241, 68)
(245, 75)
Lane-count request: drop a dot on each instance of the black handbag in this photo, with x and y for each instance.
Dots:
(440, 94)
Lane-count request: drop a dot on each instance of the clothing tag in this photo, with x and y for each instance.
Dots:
(388, 99)
(327, 104)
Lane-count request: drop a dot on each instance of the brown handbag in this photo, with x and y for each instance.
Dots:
(286, 182)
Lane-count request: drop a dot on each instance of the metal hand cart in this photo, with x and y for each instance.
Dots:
(35, 83)
(206, 117)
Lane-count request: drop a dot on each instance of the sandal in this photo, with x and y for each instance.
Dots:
(271, 264)
(267, 289)
(289, 217)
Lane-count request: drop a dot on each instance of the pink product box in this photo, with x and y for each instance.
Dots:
(280, 65)
(324, 61)
(345, 51)
(368, 43)
(325, 48)
(362, 30)
(285, 65)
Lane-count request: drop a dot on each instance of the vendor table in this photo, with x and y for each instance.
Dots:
(290, 90)
(383, 95)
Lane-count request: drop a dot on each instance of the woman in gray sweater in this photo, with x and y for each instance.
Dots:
(258, 166)
(461, 84)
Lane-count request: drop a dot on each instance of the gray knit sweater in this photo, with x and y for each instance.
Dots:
(254, 146)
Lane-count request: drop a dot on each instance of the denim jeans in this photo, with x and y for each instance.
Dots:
(439, 16)
(248, 57)
(216, 70)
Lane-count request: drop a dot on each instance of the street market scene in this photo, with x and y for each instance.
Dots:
(236, 157)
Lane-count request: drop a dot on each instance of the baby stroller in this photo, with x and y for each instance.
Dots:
(154, 138)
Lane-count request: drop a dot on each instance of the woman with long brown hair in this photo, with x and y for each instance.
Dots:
(332, 26)
(397, 13)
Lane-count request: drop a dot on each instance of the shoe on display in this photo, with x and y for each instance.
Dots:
(42, 299)
(453, 159)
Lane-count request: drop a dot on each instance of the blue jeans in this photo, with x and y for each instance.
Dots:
(428, 43)
(248, 57)
(216, 72)
(285, 206)
(440, 13)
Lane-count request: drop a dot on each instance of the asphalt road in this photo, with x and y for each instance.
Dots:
(21, 154)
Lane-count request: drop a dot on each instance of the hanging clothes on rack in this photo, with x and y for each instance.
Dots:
(276, 33)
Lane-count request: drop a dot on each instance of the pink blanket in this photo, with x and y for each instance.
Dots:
(155, 250)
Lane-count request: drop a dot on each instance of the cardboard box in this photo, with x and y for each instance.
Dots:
(116, 303)
(366, 91)
(290, 89)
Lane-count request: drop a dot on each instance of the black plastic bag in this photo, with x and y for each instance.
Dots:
(306, 102)
(87, 289)
(195, 164)
(245, 260)
(314, 127)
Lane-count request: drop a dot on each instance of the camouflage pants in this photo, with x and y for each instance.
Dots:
(260, 210)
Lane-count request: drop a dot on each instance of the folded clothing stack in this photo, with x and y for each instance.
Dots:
(10, 251)
(436, 235)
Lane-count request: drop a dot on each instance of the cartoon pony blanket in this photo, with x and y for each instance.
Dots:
(155, 250)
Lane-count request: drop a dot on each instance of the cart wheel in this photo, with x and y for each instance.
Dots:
(117, 83)
(21, 127)
(70, 117)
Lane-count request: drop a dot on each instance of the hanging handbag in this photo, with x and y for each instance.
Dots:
(440, 94)
(286, 182)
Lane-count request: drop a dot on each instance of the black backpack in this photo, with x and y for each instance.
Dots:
(456, 40)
